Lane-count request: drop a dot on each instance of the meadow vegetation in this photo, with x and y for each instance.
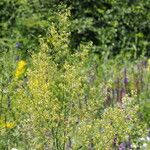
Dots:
(57, 96)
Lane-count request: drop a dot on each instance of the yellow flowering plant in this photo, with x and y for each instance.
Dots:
(20, 68)
(62, 107)
(7, 125)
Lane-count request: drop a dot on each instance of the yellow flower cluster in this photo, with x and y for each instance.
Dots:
(8, 125)
(20, 69)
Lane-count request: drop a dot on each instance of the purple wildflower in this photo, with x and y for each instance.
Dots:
(18, 45)
(122, 93)
(122, 146)
(126, 80)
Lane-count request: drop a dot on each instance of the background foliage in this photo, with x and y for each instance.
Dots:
(114, 26)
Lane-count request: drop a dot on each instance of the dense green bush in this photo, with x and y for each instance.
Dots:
(112, 26)
(23, 22)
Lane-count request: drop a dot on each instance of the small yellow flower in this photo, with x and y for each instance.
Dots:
(22, 64)
(9, 125)
(20, 69)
